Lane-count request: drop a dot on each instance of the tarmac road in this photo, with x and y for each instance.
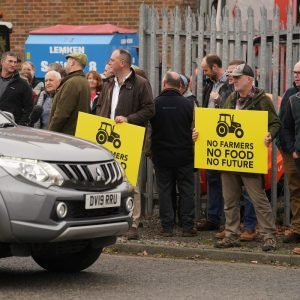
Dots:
(133, 277)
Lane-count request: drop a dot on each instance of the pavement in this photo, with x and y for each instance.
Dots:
(201, 246)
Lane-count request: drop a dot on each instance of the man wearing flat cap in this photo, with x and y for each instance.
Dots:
(73, 95)
(248, 97)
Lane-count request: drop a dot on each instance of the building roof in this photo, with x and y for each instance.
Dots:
(83, 29)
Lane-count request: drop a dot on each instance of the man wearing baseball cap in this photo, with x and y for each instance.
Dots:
(73, 95)
(243, 69)
(248, 97)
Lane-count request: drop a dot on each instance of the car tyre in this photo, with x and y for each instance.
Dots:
(67, 262)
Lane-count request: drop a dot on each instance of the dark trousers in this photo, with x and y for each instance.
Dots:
(292, 170)
(176, 206)
(215, 203)
(166, 178)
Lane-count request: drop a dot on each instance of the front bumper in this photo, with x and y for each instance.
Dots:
(26, 213)
(32, 232)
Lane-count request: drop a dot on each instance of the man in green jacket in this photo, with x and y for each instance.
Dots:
(72, 96)
(247, 97)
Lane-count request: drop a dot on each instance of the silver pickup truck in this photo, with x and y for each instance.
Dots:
(62, 199)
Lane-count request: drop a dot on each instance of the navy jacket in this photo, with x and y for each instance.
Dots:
(171, 138)
(225, 90)
(291, 124)
(284, 143)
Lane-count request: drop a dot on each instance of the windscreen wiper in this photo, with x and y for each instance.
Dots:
(4, 125)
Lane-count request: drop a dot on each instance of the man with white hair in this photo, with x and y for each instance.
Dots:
(52, 81)
(286, 145)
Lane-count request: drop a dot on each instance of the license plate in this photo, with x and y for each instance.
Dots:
(102, 200)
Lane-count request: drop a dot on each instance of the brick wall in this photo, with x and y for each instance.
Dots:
(27, 15)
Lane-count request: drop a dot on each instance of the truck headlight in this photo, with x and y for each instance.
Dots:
(36, 171)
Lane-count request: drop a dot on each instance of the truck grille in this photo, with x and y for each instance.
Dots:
(91, 176)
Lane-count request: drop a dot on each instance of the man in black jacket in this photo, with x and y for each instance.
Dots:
(286, 142)
(172, 154)
(15, 93)
(215, 91)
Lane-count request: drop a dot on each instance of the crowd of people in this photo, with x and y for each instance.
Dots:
(123, 93)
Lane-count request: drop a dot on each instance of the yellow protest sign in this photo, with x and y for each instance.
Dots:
(231, 140)
(124, 140)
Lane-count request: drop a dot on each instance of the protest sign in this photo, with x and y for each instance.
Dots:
(124, 140)
(231, 140)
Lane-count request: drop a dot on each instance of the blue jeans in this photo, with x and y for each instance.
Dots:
(215, 197)
(249, 212)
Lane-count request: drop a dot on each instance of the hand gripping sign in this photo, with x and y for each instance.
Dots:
(231, 140)
(124, 140)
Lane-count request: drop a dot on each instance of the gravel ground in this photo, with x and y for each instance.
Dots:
(150, 228)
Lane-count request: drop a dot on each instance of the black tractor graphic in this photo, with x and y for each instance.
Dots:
(226, 125)
(106, 133)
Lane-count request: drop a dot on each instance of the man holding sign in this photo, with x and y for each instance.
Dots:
(247, 97)
(126, 97)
